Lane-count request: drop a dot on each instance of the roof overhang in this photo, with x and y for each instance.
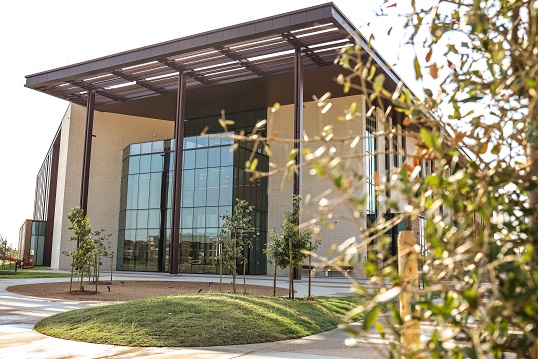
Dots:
(254, 50)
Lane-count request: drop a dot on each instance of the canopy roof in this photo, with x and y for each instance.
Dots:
(246, 51)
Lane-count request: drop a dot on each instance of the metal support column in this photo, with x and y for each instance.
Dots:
(179, 133)
(298, 117)
(298, 127)
(87, 152)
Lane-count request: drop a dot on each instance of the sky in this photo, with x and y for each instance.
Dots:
(38, 35)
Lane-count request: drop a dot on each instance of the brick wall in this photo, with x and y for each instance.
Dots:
(280, 191)
(113, 132)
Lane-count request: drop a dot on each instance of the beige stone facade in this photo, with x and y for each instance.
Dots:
(313, 188)
(113, 132)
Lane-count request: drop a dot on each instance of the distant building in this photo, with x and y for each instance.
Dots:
(131, 113)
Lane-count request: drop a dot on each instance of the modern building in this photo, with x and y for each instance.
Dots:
(130, 114)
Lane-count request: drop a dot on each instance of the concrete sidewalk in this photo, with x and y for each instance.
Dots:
(18, 315)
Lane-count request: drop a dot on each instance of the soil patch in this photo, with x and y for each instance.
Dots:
(130, 290)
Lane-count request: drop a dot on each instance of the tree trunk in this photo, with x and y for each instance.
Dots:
(220, 265)
(96, 272)
(290, 291)
(71, 281)
(274, 283)
(81, 283)
(234, 267)
(245, 275)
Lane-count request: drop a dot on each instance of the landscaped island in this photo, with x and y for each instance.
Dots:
(198, 320)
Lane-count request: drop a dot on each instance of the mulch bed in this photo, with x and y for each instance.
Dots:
(130, 290)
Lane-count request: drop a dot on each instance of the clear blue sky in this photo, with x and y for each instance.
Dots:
(42, 35)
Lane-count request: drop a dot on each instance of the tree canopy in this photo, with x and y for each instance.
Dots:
(472, 176)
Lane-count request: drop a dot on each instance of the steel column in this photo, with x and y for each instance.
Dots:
(298, 127)
(87, 152)
(298, 117)
(179, 133)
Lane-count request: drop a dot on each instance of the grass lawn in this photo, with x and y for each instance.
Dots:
(198, 320)
(39, 268)
(30, 273)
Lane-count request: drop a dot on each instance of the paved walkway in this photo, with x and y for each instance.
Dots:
(18, 315)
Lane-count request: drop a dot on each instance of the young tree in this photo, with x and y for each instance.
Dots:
(277, 253)
(291, 246)
(234, 237)
(84, 255)
(5, 250)
(102, 249)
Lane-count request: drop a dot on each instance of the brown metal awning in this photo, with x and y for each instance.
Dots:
(246, 51)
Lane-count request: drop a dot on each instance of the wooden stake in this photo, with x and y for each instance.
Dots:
(408, 272)
(71, 281)
(96, 273)
(310, 272)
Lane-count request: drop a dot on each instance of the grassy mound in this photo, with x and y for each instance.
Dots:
(198, 320)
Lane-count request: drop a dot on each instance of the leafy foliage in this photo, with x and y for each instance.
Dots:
(472, 177)
(83, 255)
(479, 199)
(291, 242)
(5, 249)
(90, 245)
(234, 237)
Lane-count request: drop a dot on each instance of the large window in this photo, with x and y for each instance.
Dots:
(213, 176)
(37, 242)
(371, 169)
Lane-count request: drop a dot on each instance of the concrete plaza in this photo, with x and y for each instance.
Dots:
(19, 314)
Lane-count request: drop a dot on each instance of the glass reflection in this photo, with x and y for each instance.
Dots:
(212, 177)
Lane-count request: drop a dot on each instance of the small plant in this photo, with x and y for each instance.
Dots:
(234, 239)
(291, 246)
(91, 246)
(102, 249)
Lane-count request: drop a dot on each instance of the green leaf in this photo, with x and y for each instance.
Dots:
(427, 138)
(353, 107)
(254, 164)
(395, 313)
(370, 268)
(418, 72)
(347, 86)
(293, 154)
(378, 83)
(380, 329)
(471, 296)
(319, 169)
(370, 318)
(372, 73)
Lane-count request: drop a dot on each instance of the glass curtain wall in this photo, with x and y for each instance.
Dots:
(37, 242)
(213, 176)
